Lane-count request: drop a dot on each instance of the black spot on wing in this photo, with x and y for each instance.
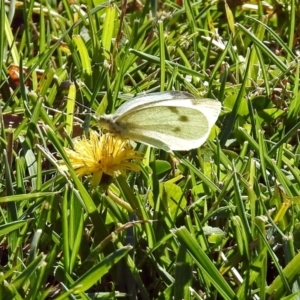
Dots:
(183, 119)
(173, 109)
(176, 129)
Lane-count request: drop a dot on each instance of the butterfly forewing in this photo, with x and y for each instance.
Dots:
(170, 120)
(179, 129)
(149, 99)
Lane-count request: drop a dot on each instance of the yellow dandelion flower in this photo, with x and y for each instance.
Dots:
(103, 154)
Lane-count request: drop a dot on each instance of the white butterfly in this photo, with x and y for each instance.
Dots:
(171, 120)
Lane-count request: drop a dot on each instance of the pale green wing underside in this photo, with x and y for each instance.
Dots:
(171, 120)
(166, 127)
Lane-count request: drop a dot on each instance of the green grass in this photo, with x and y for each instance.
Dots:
(219, 222)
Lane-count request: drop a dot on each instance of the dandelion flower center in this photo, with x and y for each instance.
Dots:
(103, 154)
